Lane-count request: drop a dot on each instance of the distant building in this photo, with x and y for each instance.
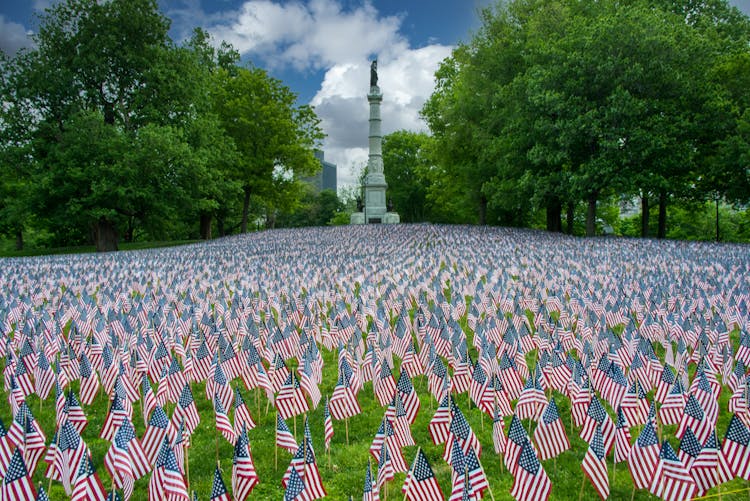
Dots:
(325, 179)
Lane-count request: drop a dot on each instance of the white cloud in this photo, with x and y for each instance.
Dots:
(13, 36)
(312, 35)
(406, 81)
(322, 35)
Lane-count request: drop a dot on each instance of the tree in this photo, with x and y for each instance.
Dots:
(109, 97)
(555, 102)
(406, 165)
(259, 113)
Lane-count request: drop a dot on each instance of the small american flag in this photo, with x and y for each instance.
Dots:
(531, 481)
(420, 483)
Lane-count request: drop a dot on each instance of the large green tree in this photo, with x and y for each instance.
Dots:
(110, 96)
(269, 129)
(556, 102)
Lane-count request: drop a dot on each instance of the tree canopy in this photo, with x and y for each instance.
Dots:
(111, 130)
(556, 103)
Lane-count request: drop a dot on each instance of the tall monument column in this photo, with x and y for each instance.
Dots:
(375, 208)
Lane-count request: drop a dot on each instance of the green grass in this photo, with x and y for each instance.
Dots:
(343, 471)
(7, 248)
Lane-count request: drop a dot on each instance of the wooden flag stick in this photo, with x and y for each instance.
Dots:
(492, 496)
(57, 445)
(583, 484)
(187, 466)
(276, 449)
(346, 425)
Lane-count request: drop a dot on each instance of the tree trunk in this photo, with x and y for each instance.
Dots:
(644, 216)
(482, 210)
(245, 209)
(554, 216)
(662, 231)
(19, 238)
(570, 217)
(220, 225)
(105, 236)
(130, 231)
(591, 216)
(205, 224)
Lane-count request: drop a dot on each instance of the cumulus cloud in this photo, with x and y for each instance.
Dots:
(311, 35)
(13, 36)
(325, 36)
(406, 80)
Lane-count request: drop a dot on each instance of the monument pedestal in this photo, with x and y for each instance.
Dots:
(391, 218)
(357, 218)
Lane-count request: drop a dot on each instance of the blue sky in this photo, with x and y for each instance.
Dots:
(321, 49)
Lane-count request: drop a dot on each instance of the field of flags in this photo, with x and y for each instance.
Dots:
(413, 362)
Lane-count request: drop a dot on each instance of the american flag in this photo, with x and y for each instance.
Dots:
(284, 437)
(148, 400)
(498, 434)
(440, 423)
(420, 483)
(307, 382)
(159, 427)
(222, 421)
(517, 437)
(400, 421)
(461, 431)
(532, 399)
(167, 481)
(371, 489)
(303, 462)
(644, 457)
(458, 472)
(690, 448)
(17, 483)
(186, 410)
(291, 400)
(87, 485)
(6, 448)
(75, 412)
(531, 482)
(327, 426)
(671, 481)
(735, 448)
(385, 466)
(710, 468)
(408, 396)
(295, 488)
(244, 476)
(89, 380)
(219, 489)
(594, 464)
(384, 385)
(343, 403)
(549, 434)
(622, 437)
(242, 417)
(694, 418)
(125, 460)
(477, 478)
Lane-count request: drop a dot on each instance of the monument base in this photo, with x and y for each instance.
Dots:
(391, 218)
(387, 218)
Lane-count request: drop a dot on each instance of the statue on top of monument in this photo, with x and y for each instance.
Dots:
(374, 73)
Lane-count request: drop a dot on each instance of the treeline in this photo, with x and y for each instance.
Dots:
(110, 131)
(561, 110)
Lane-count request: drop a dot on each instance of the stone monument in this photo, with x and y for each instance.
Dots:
(375, 208)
